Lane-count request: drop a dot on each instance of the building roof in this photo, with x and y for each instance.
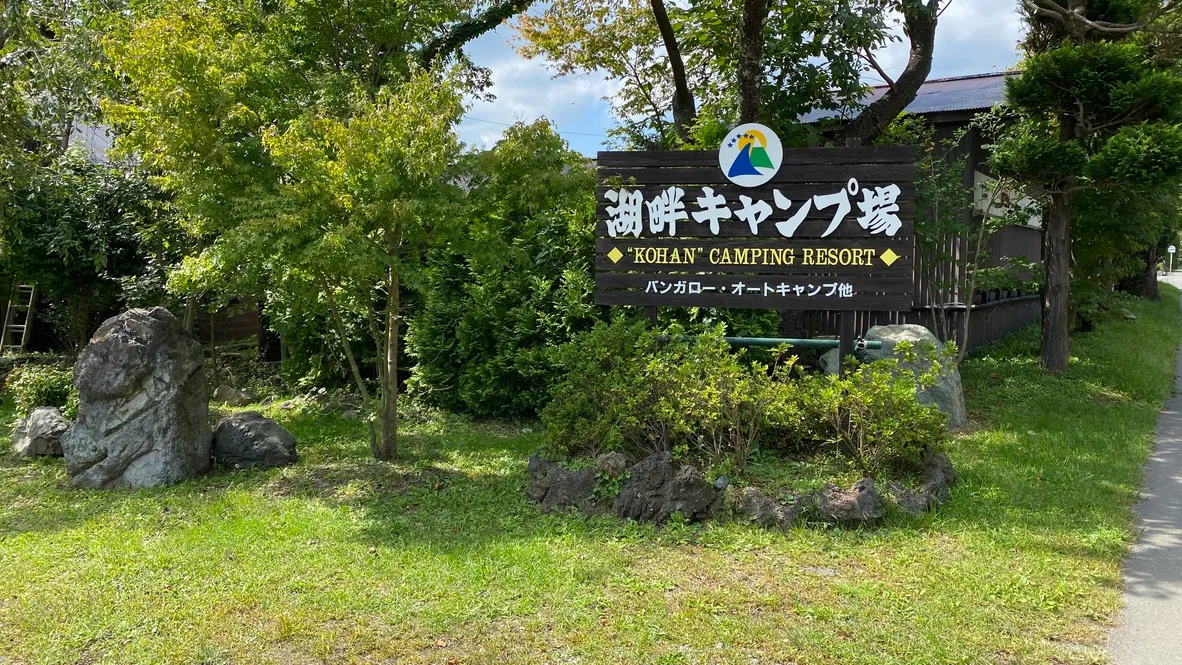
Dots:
(961, 93)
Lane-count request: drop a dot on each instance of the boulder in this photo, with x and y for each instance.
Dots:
(143, 407)
(765, 511)
(657, 488)
(40, 433)
(946, 394)
(612, 464)
(249, 440)
(554, 488)
(232, 396)
(860, 503)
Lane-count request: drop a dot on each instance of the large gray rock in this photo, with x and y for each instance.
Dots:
(860, 503)
(946, 394)
(40, 433)
(250, 440)
(657, 488)
(143, 407)
(555, 488)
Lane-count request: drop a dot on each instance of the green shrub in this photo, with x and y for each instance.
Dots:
(873, 416)
(43, 385)
(627, 388)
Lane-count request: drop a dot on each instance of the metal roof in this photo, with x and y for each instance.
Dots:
(961, 93)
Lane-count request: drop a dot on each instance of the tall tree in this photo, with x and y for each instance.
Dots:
(1098, 107)
(722, 59)
(306, 145)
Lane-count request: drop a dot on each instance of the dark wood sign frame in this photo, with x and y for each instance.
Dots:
(860, 260)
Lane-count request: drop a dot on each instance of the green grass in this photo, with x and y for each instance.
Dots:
(441, 559)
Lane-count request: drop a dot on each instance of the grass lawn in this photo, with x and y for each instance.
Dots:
(441, 559)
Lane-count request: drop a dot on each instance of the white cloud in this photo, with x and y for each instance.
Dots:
(526, 90)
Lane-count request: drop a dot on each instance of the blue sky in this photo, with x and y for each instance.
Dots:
(973, 37)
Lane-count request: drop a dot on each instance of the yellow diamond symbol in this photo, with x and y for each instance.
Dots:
(615, 255)
(889, 257)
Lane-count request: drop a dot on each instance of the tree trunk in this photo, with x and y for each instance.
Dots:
(389, 416)
(1056, 261)
(344, 337)
(685, 112)
(1151, 290)
(750, 72)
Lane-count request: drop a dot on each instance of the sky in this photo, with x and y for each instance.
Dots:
(972, 37)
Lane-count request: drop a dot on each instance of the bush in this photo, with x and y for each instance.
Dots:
(43, 385)
(628, 388)
(495, 307)
(873, 416)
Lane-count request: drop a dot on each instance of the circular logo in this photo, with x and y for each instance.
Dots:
(750, 155)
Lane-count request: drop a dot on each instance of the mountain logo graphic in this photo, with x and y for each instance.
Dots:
(750, 155)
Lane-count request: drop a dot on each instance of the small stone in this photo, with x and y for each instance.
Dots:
(612, 464)
(351, 414)
(941, 462)
(860, 503)
(761, 509)
(820, 572)
(554, 487)
(40, 433)
(657, 488)
(287, 405)
(232, 396)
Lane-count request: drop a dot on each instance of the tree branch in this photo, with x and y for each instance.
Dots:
(869, 57)
(919, 23)
(463, 32)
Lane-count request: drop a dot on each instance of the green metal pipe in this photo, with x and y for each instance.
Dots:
(802, 343)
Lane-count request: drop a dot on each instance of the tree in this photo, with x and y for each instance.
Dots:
(77, 234)
(713, 62)
(495, 304)
(307, 148)
(1098, 103)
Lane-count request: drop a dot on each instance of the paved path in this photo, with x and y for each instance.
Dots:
(1149, 630)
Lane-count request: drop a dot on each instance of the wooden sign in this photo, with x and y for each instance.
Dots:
(752, 226)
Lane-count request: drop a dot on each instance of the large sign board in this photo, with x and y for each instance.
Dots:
(756, 226)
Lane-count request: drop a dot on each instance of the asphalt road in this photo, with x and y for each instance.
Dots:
(1149, 629)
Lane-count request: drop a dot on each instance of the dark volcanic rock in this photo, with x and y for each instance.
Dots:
(657, 488)
(553, 487)
(765, 511)
(40, 433)
(250, 440)
(860, 503)
(143, 407)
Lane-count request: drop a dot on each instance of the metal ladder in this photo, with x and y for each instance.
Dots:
(18, 318)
